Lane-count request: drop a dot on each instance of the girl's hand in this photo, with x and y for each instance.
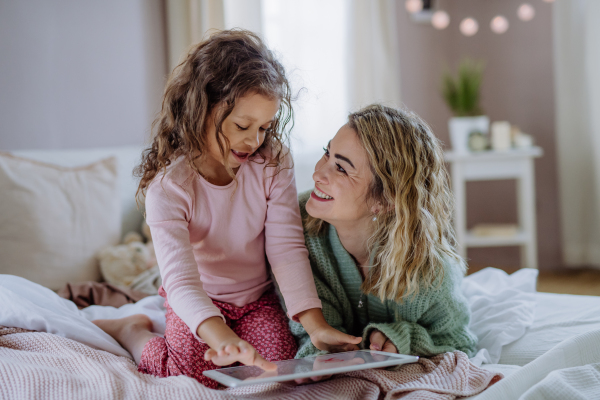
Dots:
(323, 336)
(380, 342)
(226, 347)
(234, 350)
(329, 339)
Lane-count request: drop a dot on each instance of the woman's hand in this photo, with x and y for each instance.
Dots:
(227, 348)
(323, 336)
(380, 342)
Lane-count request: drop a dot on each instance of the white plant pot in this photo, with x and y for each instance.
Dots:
(461, 127)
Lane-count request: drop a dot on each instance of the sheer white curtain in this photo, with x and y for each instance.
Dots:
(373, 53)
(187, 23)
(339, 54)
(577, 65)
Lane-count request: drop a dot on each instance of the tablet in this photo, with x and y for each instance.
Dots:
(328, 364)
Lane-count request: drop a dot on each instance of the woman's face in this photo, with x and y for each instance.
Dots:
(245, 128)
(342, 179)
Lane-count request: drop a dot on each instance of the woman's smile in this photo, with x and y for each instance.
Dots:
(320, 196)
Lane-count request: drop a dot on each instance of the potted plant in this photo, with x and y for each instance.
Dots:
(462, 93)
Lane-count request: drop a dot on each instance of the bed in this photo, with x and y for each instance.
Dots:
(545, 345)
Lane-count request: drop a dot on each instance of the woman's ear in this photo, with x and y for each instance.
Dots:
(378, 206)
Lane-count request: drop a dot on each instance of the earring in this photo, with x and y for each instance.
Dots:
(374, 218)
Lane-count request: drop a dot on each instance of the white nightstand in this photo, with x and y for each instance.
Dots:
(491, 165)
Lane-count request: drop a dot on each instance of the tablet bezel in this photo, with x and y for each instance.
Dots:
(229, 381)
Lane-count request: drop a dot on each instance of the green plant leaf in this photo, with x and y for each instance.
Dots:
(462, 93)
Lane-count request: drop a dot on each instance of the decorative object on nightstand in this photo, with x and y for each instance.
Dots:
(501, 135)
(461, 94)
(478, 141)
(494, 165)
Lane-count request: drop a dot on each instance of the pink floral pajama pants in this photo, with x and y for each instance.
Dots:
(262, 323)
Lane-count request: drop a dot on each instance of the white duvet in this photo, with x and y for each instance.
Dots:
(502, 308)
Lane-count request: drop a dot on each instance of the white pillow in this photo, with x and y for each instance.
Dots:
(54, 219)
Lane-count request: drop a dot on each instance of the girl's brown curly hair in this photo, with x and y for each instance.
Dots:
(228, 65)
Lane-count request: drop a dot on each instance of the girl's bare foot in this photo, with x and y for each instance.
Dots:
(131, 332)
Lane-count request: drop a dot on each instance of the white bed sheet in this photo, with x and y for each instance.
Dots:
(558, 317)
(502, 308)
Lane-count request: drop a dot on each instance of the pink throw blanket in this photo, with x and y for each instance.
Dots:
(40, 365)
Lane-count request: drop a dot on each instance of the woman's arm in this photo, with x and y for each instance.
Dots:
(441, 326)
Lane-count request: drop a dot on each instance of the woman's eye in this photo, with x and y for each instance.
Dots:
(241, 128)
(339, 168)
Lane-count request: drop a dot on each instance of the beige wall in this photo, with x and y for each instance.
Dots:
(80, 74)
(518, 87)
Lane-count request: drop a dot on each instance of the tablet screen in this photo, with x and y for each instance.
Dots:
(310, 366)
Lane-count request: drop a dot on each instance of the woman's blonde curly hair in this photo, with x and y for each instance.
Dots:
(413, 237)
(228, 65)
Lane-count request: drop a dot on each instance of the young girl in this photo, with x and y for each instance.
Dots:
(220, 194)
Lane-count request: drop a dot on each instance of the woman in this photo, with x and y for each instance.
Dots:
(378, 230)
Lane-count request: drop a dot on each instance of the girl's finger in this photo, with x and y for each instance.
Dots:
(250, 356)
(209, 354)
(232, 350)
(262, 363)
(345, 338)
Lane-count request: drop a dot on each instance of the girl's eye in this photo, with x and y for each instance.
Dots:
(339, 168)
(241, 128)
(326, 150)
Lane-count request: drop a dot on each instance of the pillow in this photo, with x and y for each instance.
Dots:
(54, 219)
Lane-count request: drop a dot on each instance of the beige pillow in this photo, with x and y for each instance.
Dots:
(54, 219)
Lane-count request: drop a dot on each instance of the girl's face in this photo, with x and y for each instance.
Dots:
(342, 178)
(245, 128)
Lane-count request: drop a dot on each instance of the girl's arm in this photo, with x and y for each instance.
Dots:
(169, 208)
(288, 257)
(333, 312)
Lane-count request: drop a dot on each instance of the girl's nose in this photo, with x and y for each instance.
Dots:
(254, 140)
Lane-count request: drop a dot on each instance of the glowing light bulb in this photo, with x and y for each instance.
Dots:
(440, 20)
(413, 6)
(499, 24)
(469, 26)
(526, 12)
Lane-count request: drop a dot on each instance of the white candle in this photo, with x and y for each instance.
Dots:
(501, 135)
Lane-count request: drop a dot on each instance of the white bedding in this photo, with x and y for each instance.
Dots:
(558, 317)
(502, 308)
(515, 326)
(569, 371)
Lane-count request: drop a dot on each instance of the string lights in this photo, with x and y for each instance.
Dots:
(469, 26)
(499, 24)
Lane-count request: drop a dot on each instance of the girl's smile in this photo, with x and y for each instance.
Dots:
(243, 131)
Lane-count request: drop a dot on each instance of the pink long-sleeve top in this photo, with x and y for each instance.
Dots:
(211, 241)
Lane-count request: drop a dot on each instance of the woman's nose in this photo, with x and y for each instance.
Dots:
(320, 174)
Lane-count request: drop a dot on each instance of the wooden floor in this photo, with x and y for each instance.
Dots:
(585, 281)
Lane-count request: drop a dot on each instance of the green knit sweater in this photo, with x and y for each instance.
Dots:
(435, 321)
